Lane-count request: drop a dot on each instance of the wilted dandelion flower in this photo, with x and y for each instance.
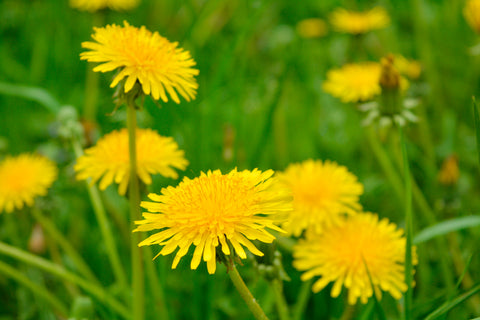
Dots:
(322, 193)
(312, 28)
(95, 5)
(140, 55)
(354, 82)
(342, 253)
(108, 161)
(215, 209)
(359, 22)
(471, 11)
(24, 177)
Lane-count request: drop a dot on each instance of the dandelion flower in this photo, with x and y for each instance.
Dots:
(347, 253)
(312, 28)
(411, 68)
(471, 11)
(354, 82)
(22, 178)
(108, 161)
(322, 193)
(449, 173)
(359, 22)
(215, 209)
(140, 55)
(95, 5)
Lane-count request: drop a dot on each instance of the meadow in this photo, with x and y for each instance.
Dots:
(391, 166)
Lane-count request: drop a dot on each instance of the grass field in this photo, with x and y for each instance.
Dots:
(261, 103)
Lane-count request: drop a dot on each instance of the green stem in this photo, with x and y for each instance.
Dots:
(39, 291)
(57, 236)
(408, 229)
(156, 288)
(134, 198)
(282, 306)
(245, 293)
(35, 288)
(64, 274)
(105, 228)
(302, 301)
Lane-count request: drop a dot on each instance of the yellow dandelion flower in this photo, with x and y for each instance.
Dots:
(342, 253)
(411, 68)
(312, 28)
(471, 11)
(95, 5)
(24, 177)
(215, 209)
(109, 159)
(359, 22)
(322, 193)
(354, 82)
(140, 55)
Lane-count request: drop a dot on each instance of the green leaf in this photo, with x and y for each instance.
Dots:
(447, 306)
(39, 95)
(476, 119)
(445, 227)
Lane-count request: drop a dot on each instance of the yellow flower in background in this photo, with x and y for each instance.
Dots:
(312, 28)
(95, 5)
(322, 193)
(137, 54)
(342, 254)
(359, 22)
(108, 161)
(471, 11)
(354, 82)
(411, 68)
(212, 210)
(24, 177)
(450, 172)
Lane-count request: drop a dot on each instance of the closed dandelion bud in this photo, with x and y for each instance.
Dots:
(37, 243)
(389, 77)
(449, 172)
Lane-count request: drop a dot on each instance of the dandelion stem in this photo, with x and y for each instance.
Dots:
(64, 274)
(408, 229)
(138, 284)
(57, 236)
(105, 229)
(39, 291)
(245, 293)
(282, 306)
(303, 296)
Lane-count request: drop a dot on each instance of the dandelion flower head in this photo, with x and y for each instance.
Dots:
(108, 161)
(95, 5)
(342, 253)
(471, 11)
(411, 68)
(215, 210)
(354, 82)
(24, 177)
(312, 28)
(157, 64)
(359, 22)
(322, 193)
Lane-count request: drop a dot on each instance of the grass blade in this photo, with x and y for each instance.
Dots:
(476, 119)
(449, 305)
(39, 95)
(445, 227)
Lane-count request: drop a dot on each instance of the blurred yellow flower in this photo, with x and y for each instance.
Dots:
(354, 82)
(312, 28)
(144, 57)
(471, 11)
(449, 173)
(24, 177)
(322, 193)
(359, 22)
(342, 253)
(95, 5)
(215, 209)
(411, 68)
(109, 159)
